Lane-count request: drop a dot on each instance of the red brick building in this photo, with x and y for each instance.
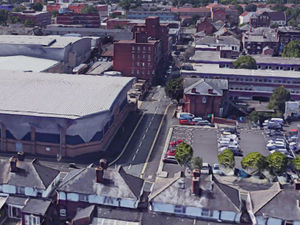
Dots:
(204, 96)
(40, 19)
(206, 26)
(146, 55)
(86, 20)
(260, 20)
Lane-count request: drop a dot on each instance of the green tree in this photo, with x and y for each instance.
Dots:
(197, 162)
(292, 49)
(184, 153)
(37, 6)
(13, 19)
(18, 8)
(278, 99)
(245, 62)
(296, 163)
(53, 14)
(125, 4)
(174, 88)
(251, 8)
(277, 163)
(226, 158)
(254, 161)
(28, 23)
(3, 16)
(89, 9)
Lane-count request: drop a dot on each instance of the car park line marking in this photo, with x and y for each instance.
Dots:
(137, 150)
(133, 158)
(144, 136)
(140, 145)
(129, 166)
(154, 141)
(147, 129)
(127, 143)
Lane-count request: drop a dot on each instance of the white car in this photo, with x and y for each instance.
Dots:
(216, 169)
(205, 168)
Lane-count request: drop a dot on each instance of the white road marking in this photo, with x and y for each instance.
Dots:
(140, 145)
(144, 136)
(129, 166)
(147, 129)
(133, 158)
(137, 150)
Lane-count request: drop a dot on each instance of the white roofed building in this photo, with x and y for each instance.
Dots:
(60, 115)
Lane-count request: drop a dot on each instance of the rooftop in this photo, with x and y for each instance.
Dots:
(36, 206)
(222, 40)
(214, 195)
(58, 95)
(214, 69)
(202, 86)
(25, 63)
(117, 183)
(29, 174)
(53, 41)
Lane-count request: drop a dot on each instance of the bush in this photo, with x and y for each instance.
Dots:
(184, 153)
(226, 158)
(245, 62)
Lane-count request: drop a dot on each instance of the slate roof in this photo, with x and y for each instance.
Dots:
(29, 174)
(118, 183)
(276, 202)
(203, 85)
(277, 16)
(222, 40)
(214, 195)
(36, 206)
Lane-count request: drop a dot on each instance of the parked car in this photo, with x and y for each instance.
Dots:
(186, 122)
(205, 168)
(203, 123)
(241, 173)
(197, 119)
(185, 115)
(171, 152)
(170, 159)
(216, 169)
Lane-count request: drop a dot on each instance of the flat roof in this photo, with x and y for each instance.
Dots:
(214, 69)
(58, 95)
(53, 41)
(25, 63)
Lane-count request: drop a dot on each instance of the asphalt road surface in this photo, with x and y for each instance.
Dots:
(135, 155)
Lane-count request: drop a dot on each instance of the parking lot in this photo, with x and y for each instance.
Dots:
(203, 141)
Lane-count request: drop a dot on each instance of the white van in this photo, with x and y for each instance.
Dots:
(185, 115)
(277, 120)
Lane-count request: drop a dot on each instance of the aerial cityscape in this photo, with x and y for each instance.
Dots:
(149, 112)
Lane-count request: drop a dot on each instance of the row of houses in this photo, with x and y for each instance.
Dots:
(47, 196)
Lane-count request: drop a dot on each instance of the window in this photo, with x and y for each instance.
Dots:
(137, 72)
(132, 48)
(138, 63)
(83, 198)
(206, 212)
(132, 56)
(144, 48)
(63, 212)
(14, 211)
(149, 49)
(20, 190)
(32, 220)
(138, 48)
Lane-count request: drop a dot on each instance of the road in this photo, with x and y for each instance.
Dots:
(137, 151)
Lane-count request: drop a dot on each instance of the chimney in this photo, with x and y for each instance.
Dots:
(196, 173)
(13, 164)
(193, 90)
(297, 184)
(196, 185)
(141, 37)
(210, 91)
(100, 170)
(99, 174)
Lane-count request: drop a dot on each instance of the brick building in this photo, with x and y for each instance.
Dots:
(287, 34)
(147, 53)
(206, 26)
(260, 20)
(86, 20)
(204, 96)
(40, 19)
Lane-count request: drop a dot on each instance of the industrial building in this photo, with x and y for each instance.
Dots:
(60, 115)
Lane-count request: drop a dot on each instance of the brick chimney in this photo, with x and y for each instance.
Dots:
(193, 90)
(196, 173)
(13, 164)
(99, 174)
(100, 170)
(196, 185)
(210, 91)
(297, 184)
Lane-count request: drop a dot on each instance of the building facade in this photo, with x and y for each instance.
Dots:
(40, 19)
(86, 20)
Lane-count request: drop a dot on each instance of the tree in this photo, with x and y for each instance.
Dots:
(277, 163)
(254, 161)
(226, 158)
(174, 88)
(89, 9)
(197, 162)
(278, 99)
(292, 49)
(18, 8)
(296, 163)
(37, 6)
(28, 23)
(125, 4)
(251, 8)
(184, 153)
(239, 9)
(245, 62)
(3, 16)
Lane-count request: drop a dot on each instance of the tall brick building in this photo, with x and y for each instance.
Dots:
(86, 20)
(146, 54)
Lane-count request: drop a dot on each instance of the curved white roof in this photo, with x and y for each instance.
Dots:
(58, 95)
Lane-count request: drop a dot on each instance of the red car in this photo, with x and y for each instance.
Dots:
(186, 122)
(171, 152)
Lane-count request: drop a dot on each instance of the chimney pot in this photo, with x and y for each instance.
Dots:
(13, 164)
(196, 185)
(99, 174)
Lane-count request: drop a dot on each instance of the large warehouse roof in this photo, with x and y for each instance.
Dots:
(58, 95)
(25, 63)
